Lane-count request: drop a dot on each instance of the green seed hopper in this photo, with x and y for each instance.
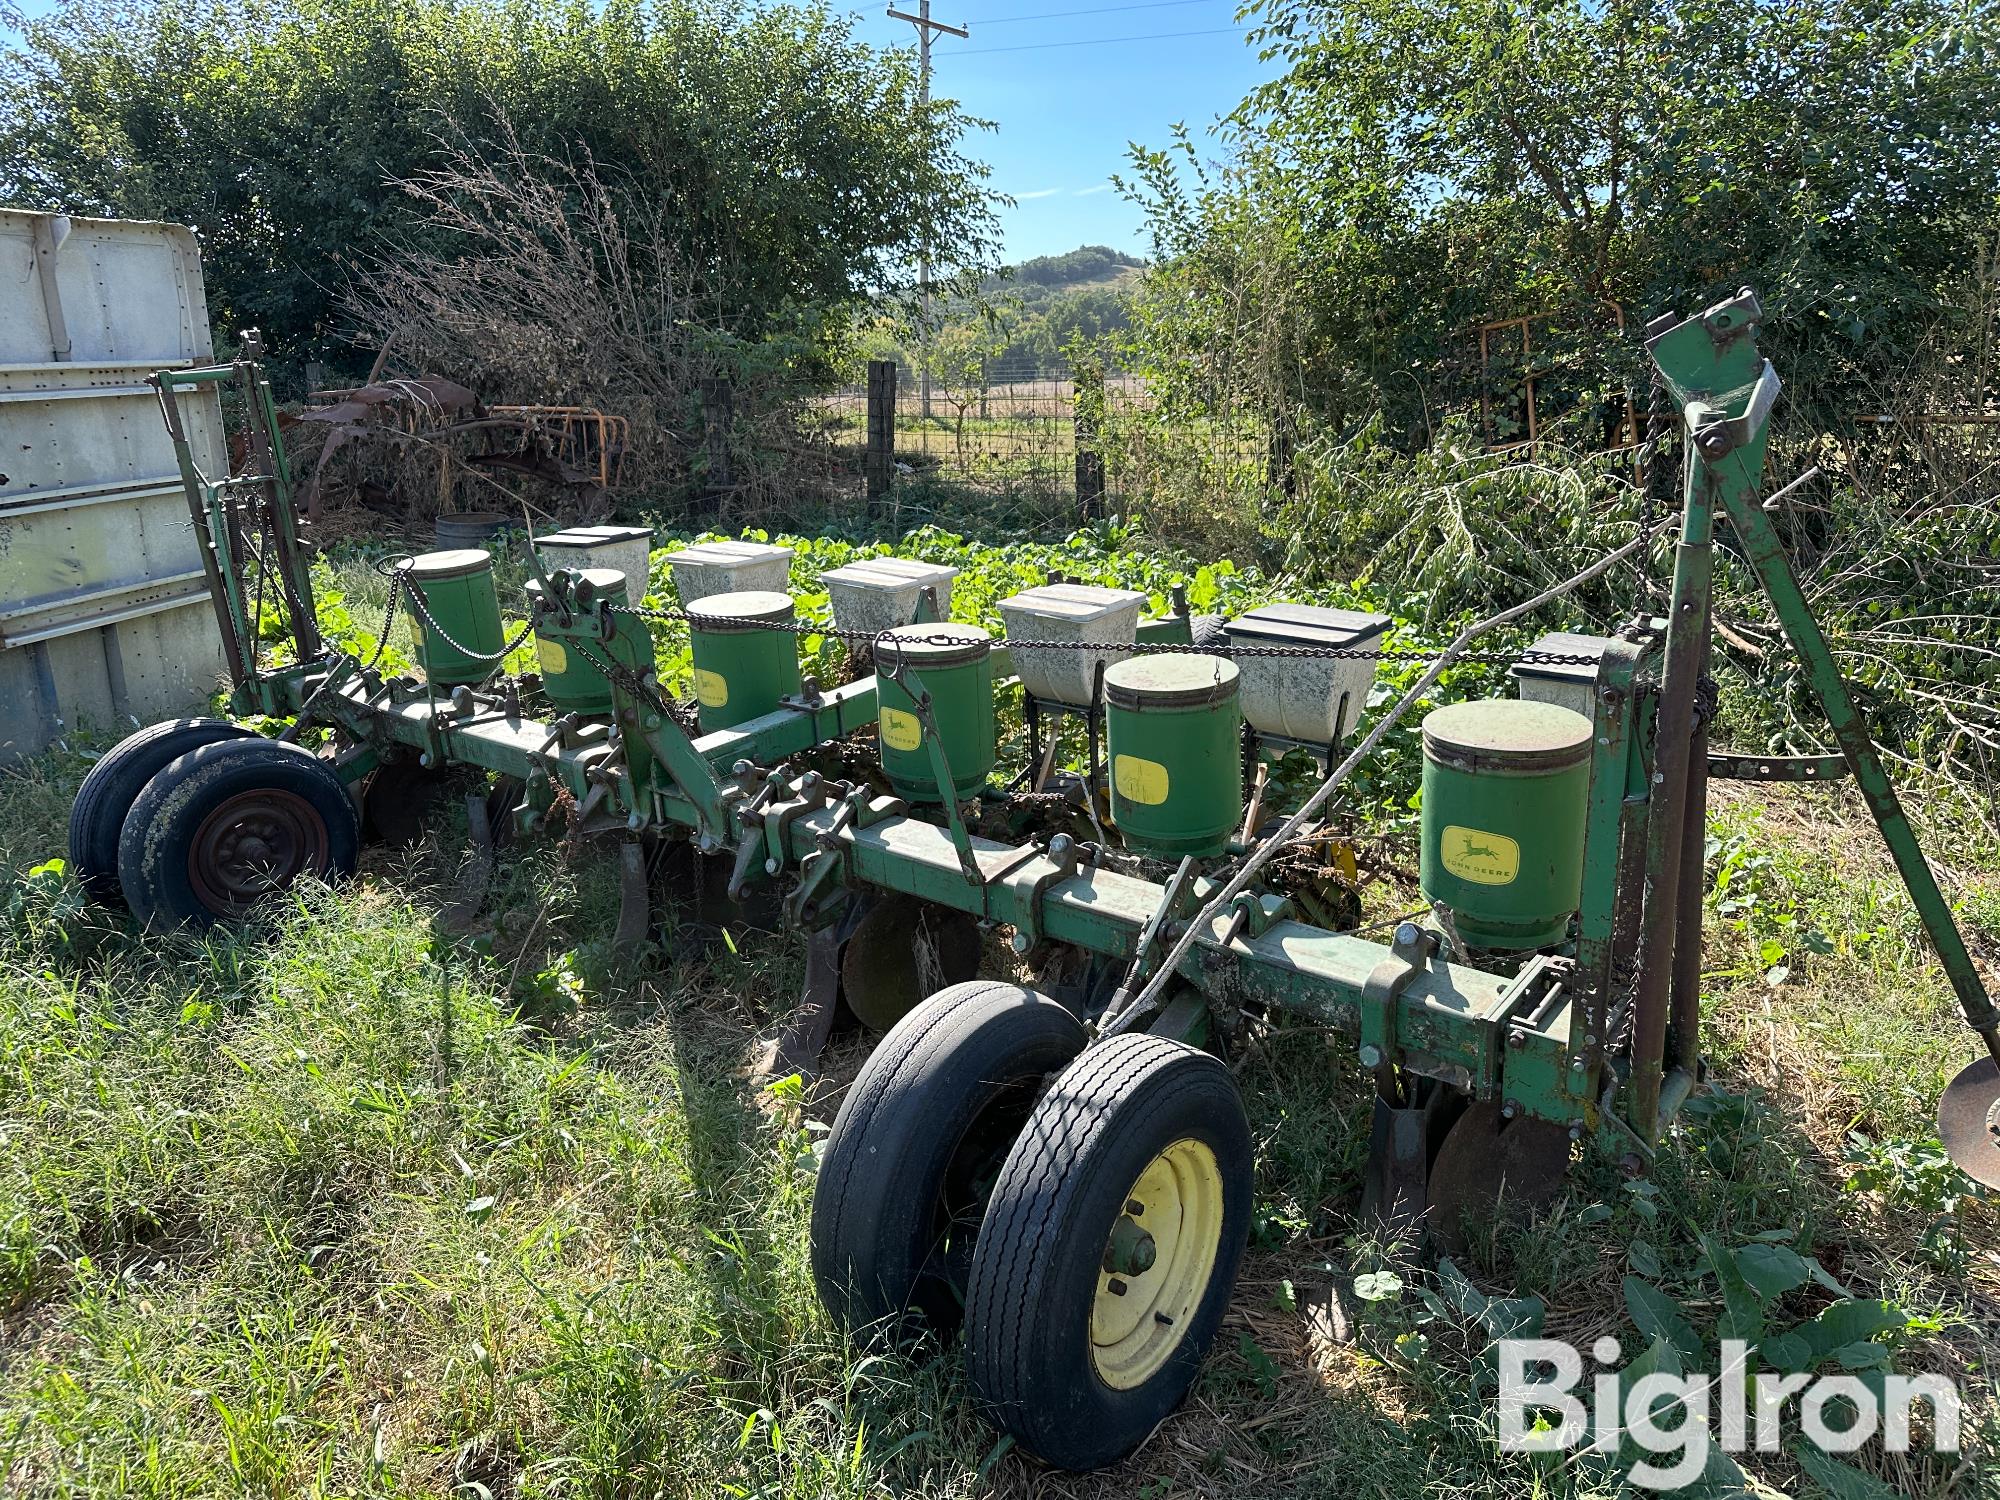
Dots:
(1063, 1166)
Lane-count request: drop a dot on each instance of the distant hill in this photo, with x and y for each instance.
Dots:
(1027, 320)
(1087, 265)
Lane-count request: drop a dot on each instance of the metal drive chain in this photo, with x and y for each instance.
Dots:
(1141, 648)
(430, 623)
(388, 620)
(634, 683)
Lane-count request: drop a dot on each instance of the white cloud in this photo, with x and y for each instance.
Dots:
(1102, 187)
(1040, 193)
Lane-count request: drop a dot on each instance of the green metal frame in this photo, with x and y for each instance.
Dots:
(1585, 1040)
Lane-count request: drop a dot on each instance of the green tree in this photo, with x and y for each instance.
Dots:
(1424, 165)
(802, 171)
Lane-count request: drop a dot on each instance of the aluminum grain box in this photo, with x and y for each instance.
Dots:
(730, 568)
(1573, 685)
(880, 593)
(1082, 613)
(1312, 699)
(625, 548)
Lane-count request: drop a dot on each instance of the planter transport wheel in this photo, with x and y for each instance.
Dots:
(115, 782)
(221, 828)
(1109, 1248)
(917, 1144)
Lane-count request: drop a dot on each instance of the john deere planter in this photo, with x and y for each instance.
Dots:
(1056, 1163)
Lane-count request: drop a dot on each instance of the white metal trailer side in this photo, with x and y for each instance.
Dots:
(104, 617)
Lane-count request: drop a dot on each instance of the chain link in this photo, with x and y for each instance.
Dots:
(1141, 648)
(430, 623)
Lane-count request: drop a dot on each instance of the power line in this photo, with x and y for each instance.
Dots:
(1104, 41)
(1097, 10)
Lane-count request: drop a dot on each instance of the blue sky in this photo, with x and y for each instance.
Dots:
(1063, 114)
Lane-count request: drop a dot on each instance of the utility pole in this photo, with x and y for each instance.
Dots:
(925, 26)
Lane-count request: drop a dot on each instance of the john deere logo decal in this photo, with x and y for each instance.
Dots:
(1141, 781)
(711, 689)
(901, 730)
(1481, 857)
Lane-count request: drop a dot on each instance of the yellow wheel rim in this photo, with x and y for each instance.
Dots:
(1157, 1264)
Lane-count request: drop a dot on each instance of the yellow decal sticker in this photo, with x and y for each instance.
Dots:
(1483, 858)
(554, 659)
(711, 689)
(1141, 781)
(900, 730)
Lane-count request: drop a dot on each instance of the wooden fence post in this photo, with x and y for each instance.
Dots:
(880, 462)
(1088, 385)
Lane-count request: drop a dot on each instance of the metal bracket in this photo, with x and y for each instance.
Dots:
(807, 795)
(1718, 434)
(690, 770)
(1058, 863)
(1409, 954)
(1177, 902)
(1534, 995)
(1727, 765)
(827, 865)
(804, 907)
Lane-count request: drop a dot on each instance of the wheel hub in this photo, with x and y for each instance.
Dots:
(253, 844)
(1157, 1262)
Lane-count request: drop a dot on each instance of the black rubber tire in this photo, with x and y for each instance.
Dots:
(1038, 1260)
(114, 784)
(923, 1129)
(166, 819)
(1209, 632)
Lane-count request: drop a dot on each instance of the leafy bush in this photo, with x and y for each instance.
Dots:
(794, 164)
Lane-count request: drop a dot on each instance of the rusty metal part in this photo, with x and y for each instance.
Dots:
(1403, 1142)
(635, 899)
(1727, 765)
(575, 448)
(1321, 875)
(1968, 1120)
(1490, 1164)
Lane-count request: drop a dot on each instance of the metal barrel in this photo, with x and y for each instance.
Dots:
(456, 587)
(471, 528)
(1506, 784)
(953, 664)
(1174, 730)
(742, 667)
